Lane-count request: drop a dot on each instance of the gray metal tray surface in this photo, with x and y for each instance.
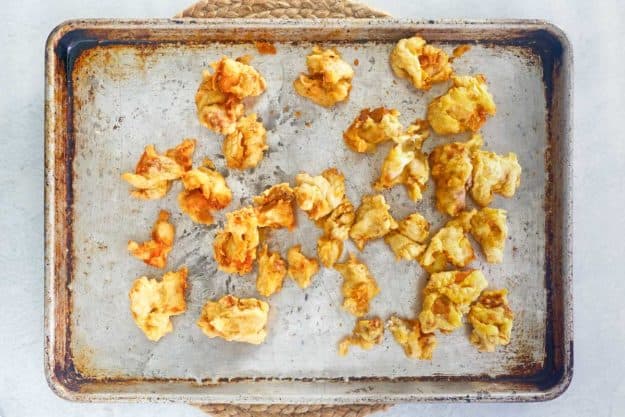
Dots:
(115, 86)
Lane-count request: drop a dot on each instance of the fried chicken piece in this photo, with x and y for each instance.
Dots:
(463, 220)
(245, 146)
(371, 128)
(406, 163)
(451, 171)
(321, 194)
(449, 245)
(235, 319)
(416, 344)
(421, 63)
(183, 154)
(373, 220)
(329, 250)
(359, 286)
(271, 272)
(152, 302)
(492, 174)
(464, 107)
(275, 207)
(489, 228)
(338, 223)
(407, 241)
(217, 110)
(491, 318)
(235, 246)
(366, 334)
(237, 78)
(205, 191)
(153, 174)
(301, 268)
(329, 78)
(154, 252)
(447, 297)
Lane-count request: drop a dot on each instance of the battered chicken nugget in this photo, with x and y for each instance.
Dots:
(464, 107)
(451, 171)
(491, 318)
(275, 207)
(371, 128)
(329, 250)
(235, 320)
(153, 174)
(238, 78)
(359, 286)
(183, 153)
(373, 220)
(153, 302)
(447, 297)
(406, 163)
(205, 191)
(422, 64)
(463, 220)
(489, 228)
(449, 245)
(337, 224)
(321, 194)
(494, 173)
(407, 241)
(416, 344)
(366, 334)
(329, 78)
(154, 252)
(234, 247)
(217, 110)
(301, 268)
(245, 146)
(271, 272)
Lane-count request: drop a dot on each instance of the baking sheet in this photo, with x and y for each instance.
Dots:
(130, 95)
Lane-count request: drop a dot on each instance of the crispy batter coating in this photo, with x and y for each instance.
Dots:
(491, 318)
(235, 246)
(416, 344)
(337, 224)
(464, 107)
(321, 194)
(153, 302)
(153, 174)
(449, 245)
(488, 227)
(373, 220)
(371, 128)
(237, 78)
(451, 171)
(463, 220)
(421, 63)
(217, 110)
(359, 286)
(275, 207)
(245, 146)
(447, 297)
(407, 241)
(329, 78)
(301, 268)
(183, 153)
(205, 191)
(271, 272)
(492, 174)
(154, 252)
(366, 334)
(329, 250)
(406, 163)
(235, 319)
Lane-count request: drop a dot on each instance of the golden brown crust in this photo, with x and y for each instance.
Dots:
(238, 78)
(244, 147)
(329, 250)
(275, 207)
(421, 63)
(373, 220)
(234, 247)
(366, 334)
(216, 110)
(407, 241)
(154, 252)
(321, 194)
(371, 128)
(494, 174)
(407, 333)
(489, 228)
(491, 318)
(449, 246)
(301, 268)
(271, 272)
(205, 191)
(359, 286)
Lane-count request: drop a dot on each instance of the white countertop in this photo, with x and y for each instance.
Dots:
(596, 32)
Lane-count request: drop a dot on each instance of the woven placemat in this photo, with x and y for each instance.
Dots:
(287, 9)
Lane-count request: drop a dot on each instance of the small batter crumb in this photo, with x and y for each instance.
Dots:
(265, 48)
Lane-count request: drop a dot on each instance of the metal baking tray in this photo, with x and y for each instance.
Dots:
(114, 86)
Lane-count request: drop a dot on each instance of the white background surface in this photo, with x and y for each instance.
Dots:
(596, 32)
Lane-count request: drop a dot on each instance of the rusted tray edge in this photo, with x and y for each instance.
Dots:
(58, 368)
